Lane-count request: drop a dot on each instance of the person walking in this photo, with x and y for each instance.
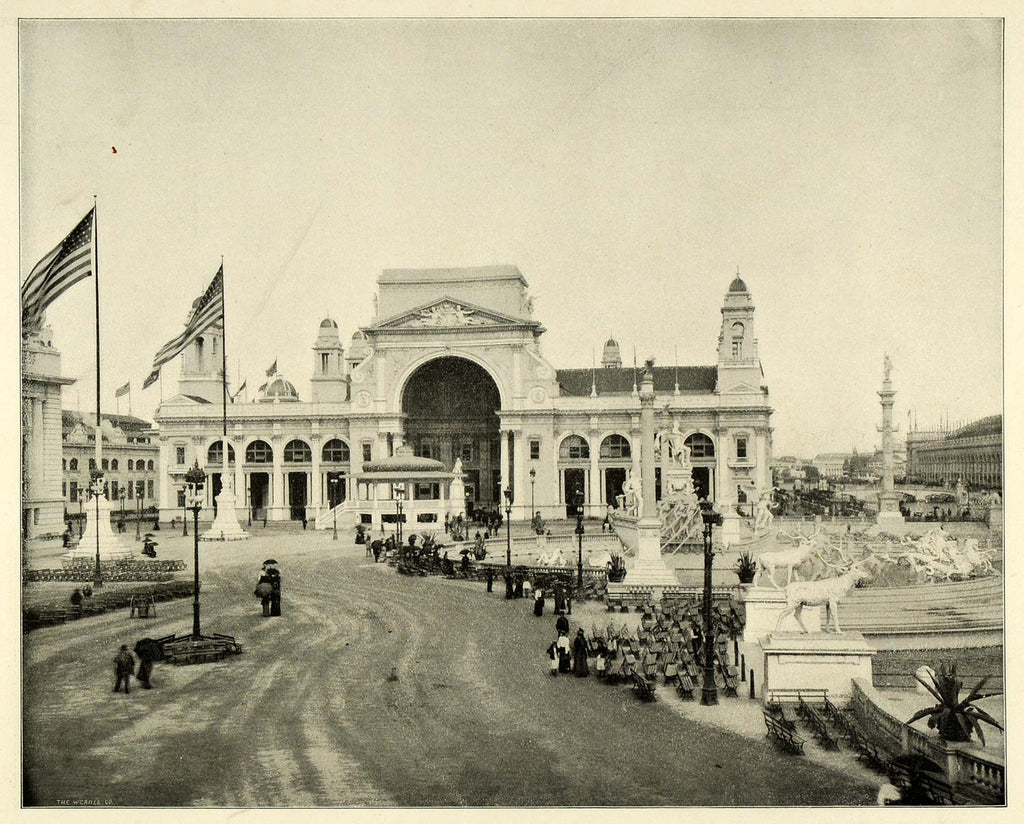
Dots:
(124, 668)
(144, 649)
(579, 655)
(489, 573)
(564, 656)
(275, 592)
(553, 658)
(264, 589)
(562, 625)
(538, 602)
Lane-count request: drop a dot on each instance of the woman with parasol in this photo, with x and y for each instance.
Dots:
(265, 586)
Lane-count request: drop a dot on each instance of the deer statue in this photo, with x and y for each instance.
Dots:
(788, 559)
(827, 591)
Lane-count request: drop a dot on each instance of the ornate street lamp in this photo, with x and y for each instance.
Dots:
(96, 490)
(184, 506)
(399, 497)
(333, 484)
(508, 524)
(533, 478)
(709, 691)
(579, 537)
(83, 493)
(121, 494)
(138, 510)
(195, 479)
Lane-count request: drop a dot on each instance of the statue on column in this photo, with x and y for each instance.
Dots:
(888, 367)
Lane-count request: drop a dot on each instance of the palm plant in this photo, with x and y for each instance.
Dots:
(954, 719)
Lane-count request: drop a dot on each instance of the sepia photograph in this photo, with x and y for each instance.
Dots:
(510, 412)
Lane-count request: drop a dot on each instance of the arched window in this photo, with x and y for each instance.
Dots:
(131, 465)
(700, 445)
(297, 452)
(215, 454)
(106, 464)
(74, 464)
(574, 448)
(113, 464)
(615, 447)
(335, 451)
(149, 466)
(92, 463)
(737, 340)
(259, 452)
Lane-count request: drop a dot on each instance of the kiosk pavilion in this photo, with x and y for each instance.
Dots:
(451, 366)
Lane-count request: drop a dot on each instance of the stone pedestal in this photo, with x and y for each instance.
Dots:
(887, 518)
(815, 661)
(764, 605)
(648, 570)
(225, 526)
(730, 534)
(112, 546)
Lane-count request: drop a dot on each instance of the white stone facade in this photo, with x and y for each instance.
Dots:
(471, 332)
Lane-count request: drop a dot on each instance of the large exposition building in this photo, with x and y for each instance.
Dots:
(972, 453)
(451, 365)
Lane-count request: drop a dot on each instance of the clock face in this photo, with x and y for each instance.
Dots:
(538, 395)
(363, 399)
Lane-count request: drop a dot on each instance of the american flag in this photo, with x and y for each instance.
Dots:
(68, 263)
(208, 311)
(123, 390)
(238, 391)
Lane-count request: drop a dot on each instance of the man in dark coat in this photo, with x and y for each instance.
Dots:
(124, 668)
(579, 655)
(275, 594)
(145, 650)
(562, 625)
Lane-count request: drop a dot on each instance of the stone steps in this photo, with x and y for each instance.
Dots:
(960, 606)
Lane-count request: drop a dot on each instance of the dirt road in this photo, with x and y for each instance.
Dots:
(308, 715)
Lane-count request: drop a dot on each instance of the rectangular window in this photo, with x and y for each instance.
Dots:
(467, 453)
(64, 489)
(131, 491)
(737, 349)
(325, 359)
(113, 490)
(179, 455)
(367, 451)
(181, 498)
(74, 491)
(149, 487)
(741, 447)
(106, 489)
(534, 449)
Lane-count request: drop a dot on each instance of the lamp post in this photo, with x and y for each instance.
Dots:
(82, 493)
(138, 512)
(709, 692)
(184, 507)
(96, 490)
(333, 484)
(579, 537)
(533, 479)
(399, 497)
(121, 494)
(508, 531)
(195, 479)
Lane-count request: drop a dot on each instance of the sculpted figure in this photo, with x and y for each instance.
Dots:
(633, 492)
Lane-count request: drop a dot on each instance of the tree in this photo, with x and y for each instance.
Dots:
(811, 473)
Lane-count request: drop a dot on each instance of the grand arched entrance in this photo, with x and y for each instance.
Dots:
(450, 406)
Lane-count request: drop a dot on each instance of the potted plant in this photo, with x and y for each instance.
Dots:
(746, 568)
(617, 571)
(360, 534)
(955, 719)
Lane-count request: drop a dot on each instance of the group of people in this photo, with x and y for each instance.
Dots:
(568, 657)
(268, 589)
(124, 664)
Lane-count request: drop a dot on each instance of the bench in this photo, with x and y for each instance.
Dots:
(782, 734)
(933, 786)
(795, 696)
(818, 725)
(642, 687)
(685, 686)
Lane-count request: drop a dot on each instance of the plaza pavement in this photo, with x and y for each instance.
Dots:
(311, 715)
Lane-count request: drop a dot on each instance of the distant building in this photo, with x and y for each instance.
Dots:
(42, 510)
(130, 459)
(830, 464)
(973, 453)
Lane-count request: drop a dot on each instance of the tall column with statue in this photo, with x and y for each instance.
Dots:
(888, 499)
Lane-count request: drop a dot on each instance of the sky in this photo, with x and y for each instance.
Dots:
(852, 170)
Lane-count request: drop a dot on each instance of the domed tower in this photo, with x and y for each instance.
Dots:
(738, 362)
(358, 350)
(329, 383)
(612, 358)
(202, 363)
(279, 390)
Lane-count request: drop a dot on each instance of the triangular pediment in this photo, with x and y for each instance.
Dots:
(741, 389)
(449, 313)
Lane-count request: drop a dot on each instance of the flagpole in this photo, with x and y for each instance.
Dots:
(99, 425)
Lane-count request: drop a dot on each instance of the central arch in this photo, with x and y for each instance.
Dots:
(450, 405)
